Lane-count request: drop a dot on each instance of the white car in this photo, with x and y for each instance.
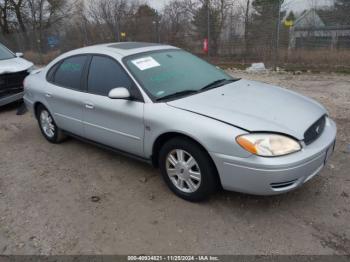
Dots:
(203, 128)
(13, 70)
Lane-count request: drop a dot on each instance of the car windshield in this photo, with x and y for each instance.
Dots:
(5, 53)
(172, 73)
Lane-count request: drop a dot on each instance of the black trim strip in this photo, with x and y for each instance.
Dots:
(51, 72)
(109, 148)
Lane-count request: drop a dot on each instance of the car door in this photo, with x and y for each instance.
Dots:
(64, 93)
(117, 123)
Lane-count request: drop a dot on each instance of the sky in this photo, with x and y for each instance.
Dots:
(295, 5)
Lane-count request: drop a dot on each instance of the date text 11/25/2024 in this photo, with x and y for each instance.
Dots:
(173, 258)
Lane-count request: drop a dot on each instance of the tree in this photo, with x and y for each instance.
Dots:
(176, 21)
(18, 7)
(342, 11)
(200, 21)
(217, 10)
(4, 16)
(246, 26)
(43, 15)
(78, 29)
(145, 26)
(265, 24)
(112, 13)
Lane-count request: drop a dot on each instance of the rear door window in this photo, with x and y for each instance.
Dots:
(70, 72)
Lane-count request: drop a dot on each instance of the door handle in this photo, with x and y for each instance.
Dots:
(48, 95)
(89, 106)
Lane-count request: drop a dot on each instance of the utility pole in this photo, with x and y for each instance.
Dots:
(278, 33)
(157, 30)
(246, 24)
(208, 8)
(86, 42)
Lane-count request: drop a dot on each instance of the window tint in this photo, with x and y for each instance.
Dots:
(69, 72)
(168, 72)
(50, 74)
(106, 74)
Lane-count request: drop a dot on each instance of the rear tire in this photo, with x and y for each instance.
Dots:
(187, 169)
(48, 127)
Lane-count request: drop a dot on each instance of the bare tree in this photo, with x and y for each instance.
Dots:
(177, 16)
(246, 26)
(112, 13)
(211, 18)
(4, 16)
(18, 7)
(42, 15)
(46, 13)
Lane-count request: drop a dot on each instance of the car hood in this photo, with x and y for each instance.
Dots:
(256, 107)
(14, 65)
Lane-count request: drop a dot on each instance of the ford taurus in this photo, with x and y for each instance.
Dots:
(203, 128)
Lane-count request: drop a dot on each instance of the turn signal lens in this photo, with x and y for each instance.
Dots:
(268, 145)
(247, 145)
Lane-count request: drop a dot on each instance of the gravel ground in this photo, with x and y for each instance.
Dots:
(46, 190)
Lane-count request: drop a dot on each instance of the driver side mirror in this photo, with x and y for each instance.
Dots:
(19, 54)
(119, 93)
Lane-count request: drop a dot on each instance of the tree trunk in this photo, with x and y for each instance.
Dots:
(4, 23)
(246, 28)
(17, 8)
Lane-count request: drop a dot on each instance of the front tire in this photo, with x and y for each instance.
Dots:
(187, 169)
(48, 127)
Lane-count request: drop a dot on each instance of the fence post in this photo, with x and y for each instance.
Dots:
(208, 8)
(278, 35)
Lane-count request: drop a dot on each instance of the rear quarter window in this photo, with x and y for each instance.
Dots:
(69, 72)
(51, 73)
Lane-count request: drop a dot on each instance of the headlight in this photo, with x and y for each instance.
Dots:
(268, 145)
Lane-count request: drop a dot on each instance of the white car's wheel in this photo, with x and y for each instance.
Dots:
(187, 169)
(48, 126)
(183, 171)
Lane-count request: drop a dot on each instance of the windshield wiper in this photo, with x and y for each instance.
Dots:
(212, 85)
(217, 83)
(177, 94)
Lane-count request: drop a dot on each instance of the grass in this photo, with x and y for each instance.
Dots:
(41, 59)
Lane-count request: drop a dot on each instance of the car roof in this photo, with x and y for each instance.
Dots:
(122, 48)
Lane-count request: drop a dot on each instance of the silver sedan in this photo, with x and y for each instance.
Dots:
(203, 128)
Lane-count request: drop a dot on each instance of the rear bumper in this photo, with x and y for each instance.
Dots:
(11, 98)
(271, 176)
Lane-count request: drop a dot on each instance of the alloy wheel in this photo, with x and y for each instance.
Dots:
(183, 171)
(46, 123)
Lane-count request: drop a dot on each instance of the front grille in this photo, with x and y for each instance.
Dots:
(315, 131)
(12, 83)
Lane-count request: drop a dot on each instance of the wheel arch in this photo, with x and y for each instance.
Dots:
(163, 138)
(36, 107)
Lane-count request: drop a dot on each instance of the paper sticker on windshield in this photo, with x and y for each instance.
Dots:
(145, 63)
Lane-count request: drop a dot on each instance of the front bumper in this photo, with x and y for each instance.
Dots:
(11, 98)
(270, 176)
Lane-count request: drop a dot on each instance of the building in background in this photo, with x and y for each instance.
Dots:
(320, 29)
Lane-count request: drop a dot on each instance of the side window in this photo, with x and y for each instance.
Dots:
(106, 74)
(69, 72)
(52, 71)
